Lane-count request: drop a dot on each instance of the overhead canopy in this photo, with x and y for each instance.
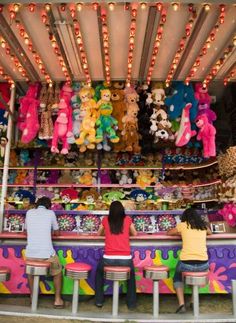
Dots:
(118, 41)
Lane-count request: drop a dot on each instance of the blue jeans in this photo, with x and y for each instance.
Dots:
(181, 267)
(99, 280)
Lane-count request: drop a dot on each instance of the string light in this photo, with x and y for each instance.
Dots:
(175, 6)
(105, 44)
(131, 43)
(207, 7)
(229, 76)
(47, 7)
(37, 58)
(16, 7)
(95, 5)
(159, 32)
(63, 7)
(143, 5)
(1, 8)
(111, 6)
(6, 77)
(55, 47)
(31, 7)
(159, 6)
(208, 42)
(83, 58)
(182, 44)
(79, 6)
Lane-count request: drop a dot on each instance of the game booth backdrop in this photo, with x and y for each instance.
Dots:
(129, 101)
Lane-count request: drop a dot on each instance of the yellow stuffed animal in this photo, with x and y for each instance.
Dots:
(87, 102)
(105, 97)
(145, 178)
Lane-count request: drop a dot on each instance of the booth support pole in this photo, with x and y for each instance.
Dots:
(7, 157)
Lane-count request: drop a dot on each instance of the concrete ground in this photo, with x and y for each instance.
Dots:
(210, 304)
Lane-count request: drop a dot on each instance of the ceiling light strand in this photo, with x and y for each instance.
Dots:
(182, 44)
(157, 42)
(207, 45)
(132, 32)
(105, 46)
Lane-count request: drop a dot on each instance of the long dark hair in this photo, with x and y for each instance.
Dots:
(44, 201)
(193, 219)
(116, 217)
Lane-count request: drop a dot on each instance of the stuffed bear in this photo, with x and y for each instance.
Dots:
(207, 134)
(124, 177)
(130, 137)
(119, 106)
(144, 177)
(65, 177)
(105, 97)
(201, 94)
(28, 114)
(87, 101)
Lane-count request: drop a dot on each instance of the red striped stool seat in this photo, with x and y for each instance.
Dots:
(117, 269)
(195, 273)
(78, 270)
(5, 273)
(156, 272)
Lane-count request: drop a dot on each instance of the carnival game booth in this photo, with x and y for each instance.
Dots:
(108, 101)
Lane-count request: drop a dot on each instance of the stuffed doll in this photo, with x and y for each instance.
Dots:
(24, 194)
(206, 134)
(119, 106)
(201, 94)
(65, 177)
(28, 114)
(132, 108)
(68, 195)
(87, 101)
(56, 97)
(86, 178)
(130, 137)
(5, 94)
(111, 196)
(124, 177)
(106, 124)
(3, 121)
(105, 97)
(62, 127)
(87, 133)
(144, 178)
(185, 133)
(229, 214)
(46, 124)
(90, 196)
(204, 108)
(105, 177)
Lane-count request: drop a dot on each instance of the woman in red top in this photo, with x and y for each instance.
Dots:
(117, 228)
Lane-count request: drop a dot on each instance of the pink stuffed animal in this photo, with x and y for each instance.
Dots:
(184, 134)
(201, 94)
(207, 134)
(229, 214)
(28, 121)
(62, 127)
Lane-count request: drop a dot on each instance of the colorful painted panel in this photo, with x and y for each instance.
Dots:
(222, 268)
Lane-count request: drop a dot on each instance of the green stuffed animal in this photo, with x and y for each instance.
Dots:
(113, 196)
(106, 124)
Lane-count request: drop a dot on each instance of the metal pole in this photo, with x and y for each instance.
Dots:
(6, 158)
(195, 301)
(75, 298)
(115, 302)
(234, 296)
(155, 298)
(35, 294)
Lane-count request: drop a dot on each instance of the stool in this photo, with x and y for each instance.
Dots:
(77, 271)
(196, 279)
(233, 282)
(5, 274)
(36, 269)
(116, 274)
(156, 273)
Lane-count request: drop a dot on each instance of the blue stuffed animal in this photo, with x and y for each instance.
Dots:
(23, 194)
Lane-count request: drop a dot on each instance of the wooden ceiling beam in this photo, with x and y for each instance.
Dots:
(16, 47)
(148, 39)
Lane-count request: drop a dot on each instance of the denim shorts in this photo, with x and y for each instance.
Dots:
(182, 267)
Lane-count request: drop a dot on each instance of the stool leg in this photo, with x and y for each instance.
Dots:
(155, 298)
(115, 301)
(75, 299)
(234, 296)
(195, 301)
(34, 303)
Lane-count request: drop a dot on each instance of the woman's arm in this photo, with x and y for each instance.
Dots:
(173, 232)
(209, 232)
(132, 230)
(100, 230)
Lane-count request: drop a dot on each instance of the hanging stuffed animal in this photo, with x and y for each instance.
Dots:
(207, 134)
(62, 128)
(28, 114)
(184, 134)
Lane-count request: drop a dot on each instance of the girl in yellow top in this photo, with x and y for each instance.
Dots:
(193, 256)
